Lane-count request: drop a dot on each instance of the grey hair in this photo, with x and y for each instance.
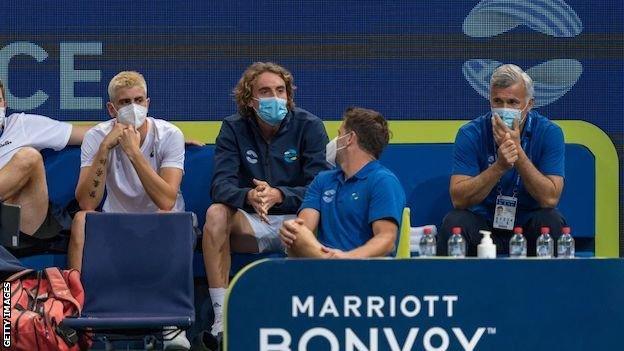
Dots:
(507, 75)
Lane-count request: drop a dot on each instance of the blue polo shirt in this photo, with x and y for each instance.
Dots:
(475, 151)
(349, 207)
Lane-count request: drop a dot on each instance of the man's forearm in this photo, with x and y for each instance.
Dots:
(471, 191)
(378, 246)
(163, 194)
(541, 188)
(90, 191)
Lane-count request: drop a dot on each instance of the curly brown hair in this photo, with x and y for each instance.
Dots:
(370, 127)
(243, 92)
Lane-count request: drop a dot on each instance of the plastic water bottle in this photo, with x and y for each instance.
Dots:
(565, 244)
(427, 244)
(517, 244)
(457, 244)
(545, 246)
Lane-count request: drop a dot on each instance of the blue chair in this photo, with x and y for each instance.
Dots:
(137, 272)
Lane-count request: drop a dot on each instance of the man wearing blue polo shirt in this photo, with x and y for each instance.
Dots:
(356, 207)
(511, 159)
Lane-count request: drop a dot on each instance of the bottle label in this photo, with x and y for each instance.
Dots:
(505, 212)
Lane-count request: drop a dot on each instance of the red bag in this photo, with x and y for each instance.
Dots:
(39, 302)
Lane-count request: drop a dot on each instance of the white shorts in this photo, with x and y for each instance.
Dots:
(267, 234)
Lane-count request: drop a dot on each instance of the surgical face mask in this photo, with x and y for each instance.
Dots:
(272, 110)
(132, 114)
(2, 116)
(331, 149)
(508, 115)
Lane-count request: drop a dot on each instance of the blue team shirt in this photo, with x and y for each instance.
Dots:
(349, 207)
(475, 151)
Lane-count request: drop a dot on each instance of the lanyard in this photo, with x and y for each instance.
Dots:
(524, 142)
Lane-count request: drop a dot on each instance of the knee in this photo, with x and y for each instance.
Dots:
(217, 215)
(28, 158)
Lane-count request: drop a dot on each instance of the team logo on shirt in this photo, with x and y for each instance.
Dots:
(290, 155)
(490, 160)
(355, 196)
(5, 143)
(328, 195)
(251, 156)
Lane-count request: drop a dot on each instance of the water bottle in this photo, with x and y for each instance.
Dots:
(565, 244)
(427, 244)
(517, 244)
(545, 246)
(457, 244)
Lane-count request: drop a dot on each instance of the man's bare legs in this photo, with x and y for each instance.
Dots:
(226, 230)
(23, 182)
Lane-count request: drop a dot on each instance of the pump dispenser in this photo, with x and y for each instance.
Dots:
(486, 249)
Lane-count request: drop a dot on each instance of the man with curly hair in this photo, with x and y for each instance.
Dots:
(266, 156)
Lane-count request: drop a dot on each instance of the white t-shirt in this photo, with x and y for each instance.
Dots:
(163, 147)
(21, 130)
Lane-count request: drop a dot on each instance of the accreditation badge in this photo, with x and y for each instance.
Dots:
(505, 212)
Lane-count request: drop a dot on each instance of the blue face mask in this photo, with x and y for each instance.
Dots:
(272, 110)
(508, 115)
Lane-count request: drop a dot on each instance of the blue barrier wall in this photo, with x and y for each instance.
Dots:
(409, 59)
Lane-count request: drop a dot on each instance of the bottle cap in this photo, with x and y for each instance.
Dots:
(456, 230)
(427, 230)
(565, 230)
(545, 230)
(486, 237)
(518, 230)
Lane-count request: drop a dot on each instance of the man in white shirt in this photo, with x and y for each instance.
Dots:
(139, 160)
(22, 174)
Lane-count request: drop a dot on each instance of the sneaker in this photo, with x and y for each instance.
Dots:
(178, 340)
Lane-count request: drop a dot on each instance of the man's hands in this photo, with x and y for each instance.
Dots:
(130, 140)
(263, 197)
(508, 142)
(295, 229)
(126, 136)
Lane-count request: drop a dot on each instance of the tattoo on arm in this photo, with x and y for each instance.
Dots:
(103, 161)
(92, 194)
(96, 183)
(99, 172)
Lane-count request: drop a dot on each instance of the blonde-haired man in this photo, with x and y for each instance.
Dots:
(139, 160)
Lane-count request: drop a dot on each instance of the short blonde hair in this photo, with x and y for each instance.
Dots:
(125, 79)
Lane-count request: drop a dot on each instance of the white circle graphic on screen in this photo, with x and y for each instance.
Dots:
(551, 17)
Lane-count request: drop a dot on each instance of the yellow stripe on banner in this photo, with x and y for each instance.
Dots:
(423, 132)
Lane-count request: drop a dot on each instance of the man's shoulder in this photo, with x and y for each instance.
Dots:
(165, 128)
(475, 125)
(301, 115)
(327, 176)
(382, 173)
(102, 128)
(544, 123)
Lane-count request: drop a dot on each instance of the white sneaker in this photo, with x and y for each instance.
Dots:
(175, 339)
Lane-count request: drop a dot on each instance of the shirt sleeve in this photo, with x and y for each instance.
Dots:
(45, 132)
(552, 160)
(387, 199)
(312, 197)
(172, 149)
(465, 155)
(225, 186)
(89, 147)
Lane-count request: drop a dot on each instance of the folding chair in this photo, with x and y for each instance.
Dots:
(137, 272)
